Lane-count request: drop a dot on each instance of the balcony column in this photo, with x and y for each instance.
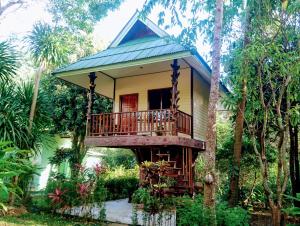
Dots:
(175, 95)
(91, 98)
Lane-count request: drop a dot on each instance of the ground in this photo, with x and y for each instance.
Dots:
(32, 219)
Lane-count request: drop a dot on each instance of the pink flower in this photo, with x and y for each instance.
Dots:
(56, 196)
(83, 189)
(99, 169)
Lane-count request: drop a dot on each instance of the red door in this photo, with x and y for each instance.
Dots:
(129, 108)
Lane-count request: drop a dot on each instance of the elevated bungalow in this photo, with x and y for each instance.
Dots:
(160, 92)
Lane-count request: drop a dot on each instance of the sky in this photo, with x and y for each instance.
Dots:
(19, 22)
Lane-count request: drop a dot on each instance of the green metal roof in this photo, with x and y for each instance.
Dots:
(134, 50)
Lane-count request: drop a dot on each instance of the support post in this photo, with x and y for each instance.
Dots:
(91, 98)
(175, 95)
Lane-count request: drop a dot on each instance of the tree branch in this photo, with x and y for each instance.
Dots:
(9, 5)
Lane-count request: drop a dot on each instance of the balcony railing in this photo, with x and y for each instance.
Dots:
(152, 122)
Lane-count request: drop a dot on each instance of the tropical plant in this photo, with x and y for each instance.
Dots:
(191, 212)
(14, 163)
(8, 62)
(294, 210)
(15, 100)
(49, 47)
(86, 190)
(69, 115)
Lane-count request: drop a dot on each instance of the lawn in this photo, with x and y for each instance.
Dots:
(32, 219)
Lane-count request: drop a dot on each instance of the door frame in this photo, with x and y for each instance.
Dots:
(120, 100)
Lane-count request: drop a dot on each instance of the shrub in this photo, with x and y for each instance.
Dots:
(120, 188)
(121, 183)
(236, 216)
(191, 212)
(87, 188)
(114, 158)
(39, 203)
(14, 164)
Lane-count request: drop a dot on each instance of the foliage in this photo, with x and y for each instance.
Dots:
(295, 211)
(45, 219)
(121, 183)
(68, 111)
(49, 46)
(81, 15)
(13, 163)
(15, 100)
(191, 212)
(8, 61)
(154, 192)
(270, 62)
(85, 190)
(119, 157)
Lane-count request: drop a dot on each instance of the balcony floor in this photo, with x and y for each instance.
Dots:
(134, 141)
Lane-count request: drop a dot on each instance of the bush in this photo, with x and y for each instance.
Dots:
(191, 212)
(14, 166)
(114, 158)
(87, 188)
(39, 203)
(121, 183)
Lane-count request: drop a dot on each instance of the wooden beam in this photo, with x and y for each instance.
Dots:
(135, 141)
(192, 102)
(92, 77)
(91, 98)
(175, 94)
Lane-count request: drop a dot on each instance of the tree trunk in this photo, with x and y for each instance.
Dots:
(276, 216)
(237, 149)
(239, 126)
(35, 95)
(210, 175)
(294, 162)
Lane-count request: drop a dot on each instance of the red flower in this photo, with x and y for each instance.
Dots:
(56, 196)
(99, 169)
(83, 189)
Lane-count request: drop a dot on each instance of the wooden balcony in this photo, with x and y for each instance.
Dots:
(143, 123)
(141, 129)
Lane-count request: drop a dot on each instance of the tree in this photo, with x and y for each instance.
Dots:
(49, 48)
(210, 174)
(12, 4)
(241, 105)
(78, 15)
(274, 74)
(69, 111)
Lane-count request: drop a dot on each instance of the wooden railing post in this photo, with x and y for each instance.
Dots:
(175, 95)
(91, 97)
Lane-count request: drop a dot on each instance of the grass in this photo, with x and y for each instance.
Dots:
(33, 219)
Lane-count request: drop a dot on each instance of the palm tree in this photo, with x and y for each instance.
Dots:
(48, 49)
(8, 61)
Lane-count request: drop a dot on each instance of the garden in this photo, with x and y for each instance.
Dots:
(249, 173)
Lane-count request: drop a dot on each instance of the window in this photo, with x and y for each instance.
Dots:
(159, 98)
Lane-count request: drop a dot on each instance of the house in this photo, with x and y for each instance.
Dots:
(160, 90)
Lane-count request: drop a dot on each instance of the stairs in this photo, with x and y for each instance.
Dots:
(177, 173)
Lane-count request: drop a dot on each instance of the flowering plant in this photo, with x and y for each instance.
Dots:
(56, 196)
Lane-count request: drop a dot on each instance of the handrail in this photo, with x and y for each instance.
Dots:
(159, 122)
